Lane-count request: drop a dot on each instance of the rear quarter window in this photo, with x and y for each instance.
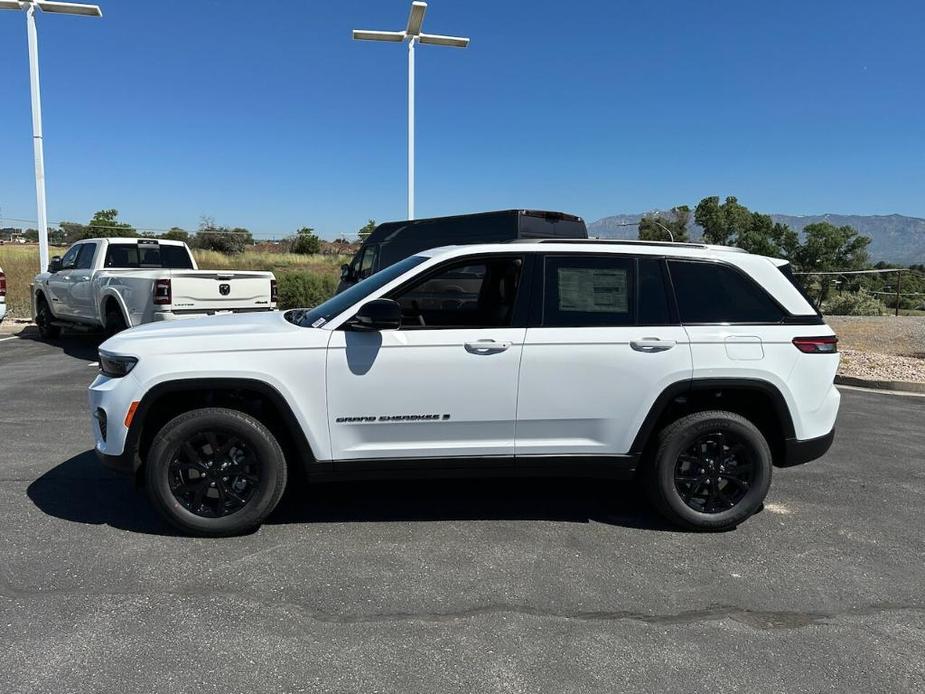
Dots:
(709, 292)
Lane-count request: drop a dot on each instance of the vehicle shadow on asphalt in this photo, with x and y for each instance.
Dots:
(78, 345)
(81, 491)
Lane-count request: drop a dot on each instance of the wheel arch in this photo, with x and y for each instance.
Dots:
(761, 402)
(113, 296)
(166, 400)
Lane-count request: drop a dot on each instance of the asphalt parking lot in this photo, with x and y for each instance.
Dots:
(475, 586)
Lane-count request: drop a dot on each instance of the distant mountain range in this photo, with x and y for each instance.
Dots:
(895, 238)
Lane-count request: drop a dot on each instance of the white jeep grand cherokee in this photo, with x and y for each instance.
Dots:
(695, 368)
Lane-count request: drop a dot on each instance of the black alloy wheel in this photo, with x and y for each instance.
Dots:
(43, 320)
(710, 470)
(214, 474)
(714, 473)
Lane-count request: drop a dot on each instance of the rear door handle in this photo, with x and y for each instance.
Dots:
(651, 344)
(486, 347)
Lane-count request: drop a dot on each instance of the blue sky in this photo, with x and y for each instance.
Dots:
(267, 115)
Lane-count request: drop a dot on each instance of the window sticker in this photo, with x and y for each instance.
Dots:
(592, 290)
(318, 323)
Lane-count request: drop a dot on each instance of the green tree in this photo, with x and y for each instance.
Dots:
(176, 234)
(652, 227)
(763, 236)
(74, 231)
(31, 235)
(306, 242)
(732, 224)
(105, 223)
(721, 222)
(828, 248)
(366, 230)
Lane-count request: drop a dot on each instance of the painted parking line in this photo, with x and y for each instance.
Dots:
(4, 339)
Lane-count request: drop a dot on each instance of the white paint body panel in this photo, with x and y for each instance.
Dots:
(423, 372)
(587, 391)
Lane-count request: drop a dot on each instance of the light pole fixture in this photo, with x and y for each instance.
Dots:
(412, 34)
(56, 8)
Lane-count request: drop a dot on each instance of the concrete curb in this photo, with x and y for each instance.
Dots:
(902, 386)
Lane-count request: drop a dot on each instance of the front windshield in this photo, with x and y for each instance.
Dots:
(321, 314)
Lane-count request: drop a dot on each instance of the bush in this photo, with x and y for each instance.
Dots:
(305, 243)
(853, 304)
(227, 242)
(304, 290)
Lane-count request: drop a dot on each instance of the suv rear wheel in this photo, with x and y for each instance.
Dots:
(215, 472)
(711, 470)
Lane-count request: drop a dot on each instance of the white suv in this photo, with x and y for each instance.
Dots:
(692, 367)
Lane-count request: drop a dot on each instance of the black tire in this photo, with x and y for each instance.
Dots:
(115, 321)
(711, 470)
(43, 318)
(174, 492)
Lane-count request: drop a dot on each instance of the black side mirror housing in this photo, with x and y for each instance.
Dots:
(345, 272)
(54, 265)
(378, 314)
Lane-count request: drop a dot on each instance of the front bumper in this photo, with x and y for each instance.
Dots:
(799, 451)
(123, 463)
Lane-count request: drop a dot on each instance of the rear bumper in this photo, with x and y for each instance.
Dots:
(799, 451)
(183, 314)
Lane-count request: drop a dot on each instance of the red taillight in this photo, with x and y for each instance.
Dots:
(273, 291)
(2, 284)
(162, 292)
(827, 344)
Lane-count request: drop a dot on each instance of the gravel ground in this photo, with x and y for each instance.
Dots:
(881, 348)
(881, 367)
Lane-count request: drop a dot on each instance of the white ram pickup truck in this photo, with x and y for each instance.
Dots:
(118, 283)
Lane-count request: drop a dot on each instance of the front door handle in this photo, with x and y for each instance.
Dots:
(486, 347)
(651, 344)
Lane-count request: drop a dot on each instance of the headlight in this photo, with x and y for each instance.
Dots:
(116, 365)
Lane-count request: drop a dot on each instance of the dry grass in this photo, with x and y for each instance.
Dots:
(21, 263)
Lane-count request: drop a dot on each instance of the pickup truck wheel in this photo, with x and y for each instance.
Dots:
(711, 471)
(115, 322)
(43, 319)
(215, 472)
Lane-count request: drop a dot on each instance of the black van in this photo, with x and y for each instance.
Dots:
(392, 241)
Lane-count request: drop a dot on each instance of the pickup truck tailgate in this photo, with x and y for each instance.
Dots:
(204, 290)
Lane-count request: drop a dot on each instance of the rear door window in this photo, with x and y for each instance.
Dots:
(710, 292)
(588, 291)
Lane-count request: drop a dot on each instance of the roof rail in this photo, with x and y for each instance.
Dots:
(635, 242)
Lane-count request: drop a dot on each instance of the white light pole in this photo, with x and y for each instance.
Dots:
(413, 34)
(58, 8)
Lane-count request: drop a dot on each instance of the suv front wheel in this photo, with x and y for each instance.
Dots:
(215, 472)
(711, 470)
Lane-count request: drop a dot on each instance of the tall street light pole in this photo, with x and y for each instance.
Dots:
(57, 8)
(413, 35)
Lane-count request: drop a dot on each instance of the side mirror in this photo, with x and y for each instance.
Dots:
(54, 265)
(378, 314)
(345, 272)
